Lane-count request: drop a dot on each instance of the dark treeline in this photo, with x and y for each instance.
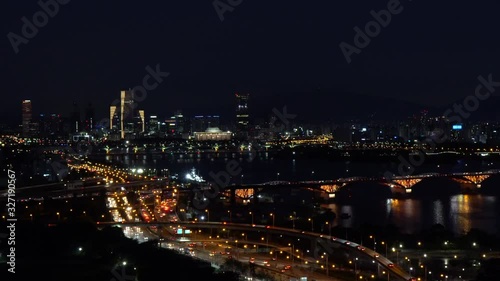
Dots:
(79, 251)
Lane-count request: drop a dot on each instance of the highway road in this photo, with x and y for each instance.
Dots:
(390, 266)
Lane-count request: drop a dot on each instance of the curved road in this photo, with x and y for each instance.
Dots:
(383, 261)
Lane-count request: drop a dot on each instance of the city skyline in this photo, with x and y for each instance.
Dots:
(433, 64)
(236, 140)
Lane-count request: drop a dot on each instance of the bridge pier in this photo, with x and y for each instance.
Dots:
(232, 197)
(255, 196)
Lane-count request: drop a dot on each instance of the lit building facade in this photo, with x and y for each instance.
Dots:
(143, 120)
(242, 115)
(113, 118)
(212, 134)
(89, 118)
(127, 105)
(27, 116)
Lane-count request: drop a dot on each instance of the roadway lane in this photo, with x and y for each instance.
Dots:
(383, 261)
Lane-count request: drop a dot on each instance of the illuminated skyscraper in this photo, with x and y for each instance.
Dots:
(179, 122)
(27, 116)
(89, 118)
(75, 119)
(242, 115)
(143, 120)
(154, 124)
(113, 116)
(127, 106)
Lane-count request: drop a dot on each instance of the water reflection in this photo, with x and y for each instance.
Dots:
(459, 213)
(437, 212)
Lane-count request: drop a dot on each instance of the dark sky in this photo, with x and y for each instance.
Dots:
(430, 53)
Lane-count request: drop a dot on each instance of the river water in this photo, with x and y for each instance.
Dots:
(458, 213)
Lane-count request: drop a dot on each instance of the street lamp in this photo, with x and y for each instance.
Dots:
(374, 242)
(277, 175)
(272, 215)
(329, 228)
(425, 271)
(355, 268)
(230, 216)
(397, 254)
(312, 224)
(383, 243)
(326, 257)
(251, 214)
(208, 215)
(58, 216)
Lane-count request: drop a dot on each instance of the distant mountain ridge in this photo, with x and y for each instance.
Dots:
(319, 106)
(322, 106)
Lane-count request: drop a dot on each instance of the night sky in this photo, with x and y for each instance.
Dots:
(430, 53)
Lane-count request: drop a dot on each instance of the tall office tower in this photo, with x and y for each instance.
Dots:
(242, 115)
(179, 122)
(127, 106)
(50, 125)
(143, 121)
(154, 124)
(89, 118)
(113, 117)
(27, 115)
(75, 119)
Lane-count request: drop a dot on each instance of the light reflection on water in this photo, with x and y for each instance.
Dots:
(458, 213)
